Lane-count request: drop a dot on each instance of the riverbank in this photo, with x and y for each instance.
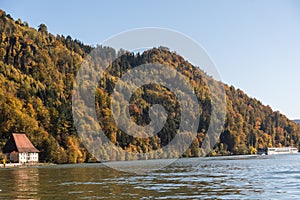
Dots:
(18, 165)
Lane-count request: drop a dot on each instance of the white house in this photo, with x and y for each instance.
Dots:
(19, 149)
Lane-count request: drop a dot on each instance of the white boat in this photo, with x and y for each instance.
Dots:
(282, 150)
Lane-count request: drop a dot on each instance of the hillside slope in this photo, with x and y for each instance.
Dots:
(37, 71)
(297, 121)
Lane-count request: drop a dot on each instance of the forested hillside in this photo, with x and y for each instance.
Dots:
(297, 121)
(37, 72)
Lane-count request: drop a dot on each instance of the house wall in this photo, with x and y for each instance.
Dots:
(33, 157)
(13, 157)
(22, 158)
(28, 157)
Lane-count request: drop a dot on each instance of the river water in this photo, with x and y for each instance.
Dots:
(265, 177)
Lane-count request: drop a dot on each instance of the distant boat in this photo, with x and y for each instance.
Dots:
(282, 150)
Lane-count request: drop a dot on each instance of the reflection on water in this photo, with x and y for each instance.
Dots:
(265, 177)
(20, 183)
(26, 183)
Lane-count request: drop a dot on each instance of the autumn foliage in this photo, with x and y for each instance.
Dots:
(37, 72)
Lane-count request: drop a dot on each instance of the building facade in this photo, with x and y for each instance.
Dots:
(19, 149)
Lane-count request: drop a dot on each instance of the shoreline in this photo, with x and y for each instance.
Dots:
(223, 157)
(18, 165)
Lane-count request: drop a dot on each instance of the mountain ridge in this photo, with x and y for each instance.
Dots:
(297, 121)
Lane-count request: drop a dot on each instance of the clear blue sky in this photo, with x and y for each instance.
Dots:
(254, 43)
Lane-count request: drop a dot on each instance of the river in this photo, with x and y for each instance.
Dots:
(240, 177)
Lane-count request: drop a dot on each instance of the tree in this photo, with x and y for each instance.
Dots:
(43, 29)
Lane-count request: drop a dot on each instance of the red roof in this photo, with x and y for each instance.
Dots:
(19, 143)
(23, 143)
